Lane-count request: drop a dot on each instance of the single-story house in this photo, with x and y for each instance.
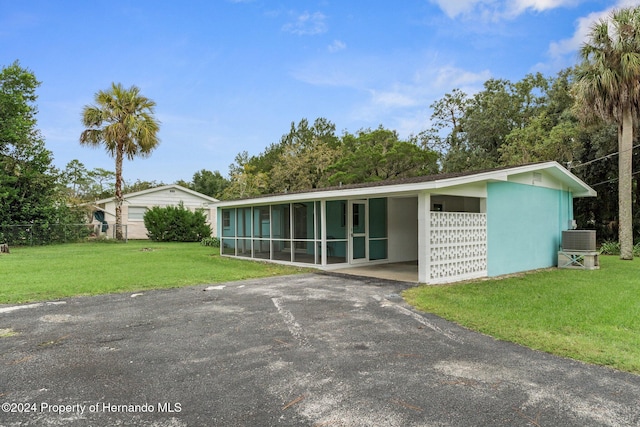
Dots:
(454, 226)
(136, 204)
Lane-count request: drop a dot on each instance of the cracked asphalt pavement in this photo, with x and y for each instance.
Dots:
(303, 350)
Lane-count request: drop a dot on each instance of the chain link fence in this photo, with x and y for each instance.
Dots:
(44, 234)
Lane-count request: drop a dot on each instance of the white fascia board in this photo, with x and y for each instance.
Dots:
(390, 190)
(194, 193)
(162, 188)
(168, 187)
(476, 189)
(579, 188)
(337, 194)
(575, 184)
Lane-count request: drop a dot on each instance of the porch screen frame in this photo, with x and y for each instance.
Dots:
(247, 234)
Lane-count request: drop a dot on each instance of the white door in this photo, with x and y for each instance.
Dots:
(358, 250)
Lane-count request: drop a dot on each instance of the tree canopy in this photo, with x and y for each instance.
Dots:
(312, 155)
(28, 180)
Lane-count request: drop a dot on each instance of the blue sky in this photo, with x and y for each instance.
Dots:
(231, 75)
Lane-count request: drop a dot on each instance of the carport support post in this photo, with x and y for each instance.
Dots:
(424, 243)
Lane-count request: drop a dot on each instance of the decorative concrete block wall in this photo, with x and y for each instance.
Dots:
(458, 243)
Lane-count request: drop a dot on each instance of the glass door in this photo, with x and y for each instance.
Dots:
(358, 231)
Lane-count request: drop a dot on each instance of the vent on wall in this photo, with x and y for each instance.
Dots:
(579, 240)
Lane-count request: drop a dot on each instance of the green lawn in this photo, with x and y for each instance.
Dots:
(592, 316)
(59, 271)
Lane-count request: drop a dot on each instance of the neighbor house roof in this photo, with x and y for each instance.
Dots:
(431, 182)
(157, 189)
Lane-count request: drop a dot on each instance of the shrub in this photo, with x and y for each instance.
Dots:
(210, 241)
(176, 224)
(611, 247)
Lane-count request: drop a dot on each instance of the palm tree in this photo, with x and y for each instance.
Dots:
(122, 122)
(608, 84)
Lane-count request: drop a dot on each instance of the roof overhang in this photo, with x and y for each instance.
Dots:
(157, 189)
(566, 179)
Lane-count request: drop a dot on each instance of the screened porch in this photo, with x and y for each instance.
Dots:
(323, 232)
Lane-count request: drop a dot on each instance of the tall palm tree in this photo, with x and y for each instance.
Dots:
(608, 84)
(122, 122)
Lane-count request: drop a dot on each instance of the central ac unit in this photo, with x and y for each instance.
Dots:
(579, 240)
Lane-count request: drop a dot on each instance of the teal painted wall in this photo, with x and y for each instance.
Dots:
(336, 219)
(524, 226)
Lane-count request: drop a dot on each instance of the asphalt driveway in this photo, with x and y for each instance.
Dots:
(307, 350)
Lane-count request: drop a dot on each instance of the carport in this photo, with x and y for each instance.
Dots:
(399, 271)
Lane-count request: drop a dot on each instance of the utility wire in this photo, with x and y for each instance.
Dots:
(611, 180)
(600, 158)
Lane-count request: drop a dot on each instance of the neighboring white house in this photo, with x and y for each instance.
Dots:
(136, 204)
(456, 226)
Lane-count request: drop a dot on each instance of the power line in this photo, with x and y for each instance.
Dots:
(611, 180)
(569, 166)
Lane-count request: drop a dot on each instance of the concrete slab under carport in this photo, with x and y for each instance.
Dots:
(398, 271)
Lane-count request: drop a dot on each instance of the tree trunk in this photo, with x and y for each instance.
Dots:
(119, 198)
(625, 195)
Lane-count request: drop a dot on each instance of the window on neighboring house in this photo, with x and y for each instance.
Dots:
(136, 213)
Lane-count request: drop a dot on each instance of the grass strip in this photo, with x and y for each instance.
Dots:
(59, 271)
(592, 316)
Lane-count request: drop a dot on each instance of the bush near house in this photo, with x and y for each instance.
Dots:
(210, 241)
(611, 247)
(176, 224)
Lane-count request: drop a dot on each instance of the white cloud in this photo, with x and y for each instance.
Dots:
(307, 24)
(405, 106)
(336, 46)
(626, 3)
(449, 76)
(317, 75)
(453, 8)
(518, 7)
(412, 123)
(425, 85)
(398, 96)
(560, 50)
(395, 90)
(492, 10)
(571, 45)
(338, 71)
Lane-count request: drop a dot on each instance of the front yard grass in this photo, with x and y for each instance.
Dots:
(592, 316)
(58, 271)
